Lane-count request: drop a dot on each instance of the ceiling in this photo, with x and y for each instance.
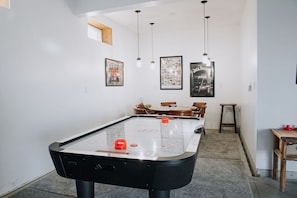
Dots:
(169, 15)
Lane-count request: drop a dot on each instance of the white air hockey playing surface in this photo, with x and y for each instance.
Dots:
(146, 138)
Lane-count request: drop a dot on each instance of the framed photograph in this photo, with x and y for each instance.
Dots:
(202, 80)
(171, 72)
(114, 72)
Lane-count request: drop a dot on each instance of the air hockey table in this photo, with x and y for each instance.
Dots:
(141, 151)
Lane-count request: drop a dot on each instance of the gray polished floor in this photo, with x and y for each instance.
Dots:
(221, 171)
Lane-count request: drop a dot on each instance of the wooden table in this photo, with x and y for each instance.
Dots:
(169, 109)
(280, 141)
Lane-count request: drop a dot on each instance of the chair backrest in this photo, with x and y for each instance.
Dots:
(139, 111)
(140, 106)
(181, 113)
(167, 103)
(200, 109)
(142, 109)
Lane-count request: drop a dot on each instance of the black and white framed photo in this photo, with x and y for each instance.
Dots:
(202, 80)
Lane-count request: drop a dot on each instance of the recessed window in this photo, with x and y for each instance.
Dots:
(5, 3)
(94, 33)
(99, 31)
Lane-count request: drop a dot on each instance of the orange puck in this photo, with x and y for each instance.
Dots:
(165, 120)
(120, 144)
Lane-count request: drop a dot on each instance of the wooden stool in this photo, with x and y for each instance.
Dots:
(228, 124)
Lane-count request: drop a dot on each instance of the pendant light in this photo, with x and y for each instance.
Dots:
(152, 62)
(208, 62)
(138, 60)
(205, 55)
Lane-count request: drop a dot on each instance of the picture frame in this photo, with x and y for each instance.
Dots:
(171, 73)
(296, 74)
(114, 72)
(202, 80)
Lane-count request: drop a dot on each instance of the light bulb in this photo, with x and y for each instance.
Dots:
(138, 62)
(153, 65)
(204, 58)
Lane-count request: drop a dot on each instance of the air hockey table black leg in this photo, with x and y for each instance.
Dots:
(159, 193)
(85, 189)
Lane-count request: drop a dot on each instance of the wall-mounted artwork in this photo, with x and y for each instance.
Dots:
(202, 80)
(171, 72)
(114, 72)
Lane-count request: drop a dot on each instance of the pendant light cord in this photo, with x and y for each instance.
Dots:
(207, 38)
(152, 41)
(137, 11)
(205, 57)
(204, 22)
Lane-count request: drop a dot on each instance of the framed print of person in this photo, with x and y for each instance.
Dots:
(202, 80)
(114, 72)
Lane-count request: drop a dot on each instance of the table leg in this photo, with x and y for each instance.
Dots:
(222, 111)
(282, 166)
(159, 193)
(275, 158)
(234, 117)
(85, 189)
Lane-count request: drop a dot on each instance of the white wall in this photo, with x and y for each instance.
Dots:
(225, 51)
(52, 84)
(277, 89)
(249, 80)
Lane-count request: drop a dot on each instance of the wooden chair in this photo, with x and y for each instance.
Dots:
(181, 113)
(142, 109)
(199, 111)
(139, 111)
(167, 103)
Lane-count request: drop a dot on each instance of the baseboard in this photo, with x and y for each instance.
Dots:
(264, 173)
(248, 156)
(268, 173)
